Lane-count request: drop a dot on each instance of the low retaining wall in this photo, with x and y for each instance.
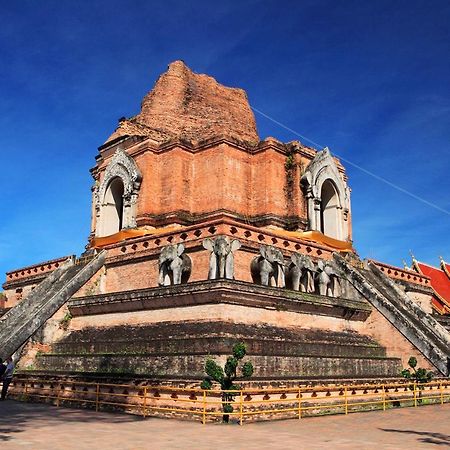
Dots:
(248, 404)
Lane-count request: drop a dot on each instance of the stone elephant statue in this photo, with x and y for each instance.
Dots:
(221, 260)
(301, 273)
(328, 279)
(268, 268)
(174, 266)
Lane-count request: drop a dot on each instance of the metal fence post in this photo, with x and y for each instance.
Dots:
(144, 402)
(97, 394)
(58, 395)
(204, 408)
(346, 400)
(240, 408)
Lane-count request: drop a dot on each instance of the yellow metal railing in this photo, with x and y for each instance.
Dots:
(248, 404)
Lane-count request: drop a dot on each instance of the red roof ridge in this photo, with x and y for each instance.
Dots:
(428, 265)
(440, 282)
(401, 269)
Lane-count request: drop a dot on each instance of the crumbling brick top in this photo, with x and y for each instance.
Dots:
(191, 106)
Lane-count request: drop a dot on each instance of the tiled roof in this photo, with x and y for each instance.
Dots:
(440, 282)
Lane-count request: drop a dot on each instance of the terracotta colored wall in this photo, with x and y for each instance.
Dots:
(268, 183)
(232, 313)
(216, 178)
(14, 296)
(388, 336)
(423, 300)
(219, 177)
(144, 274)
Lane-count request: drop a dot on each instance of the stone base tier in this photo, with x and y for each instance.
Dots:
(219, 292)
(179, 350)
(191, 366)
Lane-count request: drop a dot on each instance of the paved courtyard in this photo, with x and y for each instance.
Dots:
(37, 426)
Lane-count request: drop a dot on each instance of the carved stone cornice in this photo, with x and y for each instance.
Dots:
(220, 292)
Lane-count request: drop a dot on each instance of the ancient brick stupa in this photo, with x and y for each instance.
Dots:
(203, 235)
(193, 154)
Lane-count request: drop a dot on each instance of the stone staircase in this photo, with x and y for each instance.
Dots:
(444, 321)
(419, 327)
(23, 320)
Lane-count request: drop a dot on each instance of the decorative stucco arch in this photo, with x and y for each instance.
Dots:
(119, 191)
(327, 195)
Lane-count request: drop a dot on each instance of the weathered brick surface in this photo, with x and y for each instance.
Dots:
(192, 106)
(196, 145)
(396, 344)
(199, 337)
(186, 185)
(204, 167)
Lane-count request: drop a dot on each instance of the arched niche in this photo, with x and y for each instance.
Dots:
(330, 223)
(327, 196)
(111, 213)
(116, 196)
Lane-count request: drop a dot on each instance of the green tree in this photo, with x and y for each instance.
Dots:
(419, 375)
(227, 375)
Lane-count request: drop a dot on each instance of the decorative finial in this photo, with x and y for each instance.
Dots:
(405, 265)
(414, 260)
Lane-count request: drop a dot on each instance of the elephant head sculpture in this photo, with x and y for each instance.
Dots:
(174, 266)
(328, 279)
(221, 260)
(301, 273)
(268, 268)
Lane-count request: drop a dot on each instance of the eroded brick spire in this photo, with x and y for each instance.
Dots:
(191, 106)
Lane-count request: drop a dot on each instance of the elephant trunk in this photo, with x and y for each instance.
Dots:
(221, 261)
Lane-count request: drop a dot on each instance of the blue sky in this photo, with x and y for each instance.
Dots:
(370, 80)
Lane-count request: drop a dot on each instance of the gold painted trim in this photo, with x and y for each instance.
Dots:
(318, 237)
(122, 235)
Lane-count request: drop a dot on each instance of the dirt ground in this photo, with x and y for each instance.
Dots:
(38, 426)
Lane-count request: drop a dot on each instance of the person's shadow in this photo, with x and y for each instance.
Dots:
(426, 437)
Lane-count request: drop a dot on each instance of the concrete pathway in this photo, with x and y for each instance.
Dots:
(37, 426)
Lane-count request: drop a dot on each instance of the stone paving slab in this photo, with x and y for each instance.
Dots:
(38, 426)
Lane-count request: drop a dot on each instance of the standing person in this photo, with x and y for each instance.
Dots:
(7, 377)
(2, 368)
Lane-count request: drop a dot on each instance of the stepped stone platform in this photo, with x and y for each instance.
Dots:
(179, 350)
(219, 292)
(172, 338)
(186, 192)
